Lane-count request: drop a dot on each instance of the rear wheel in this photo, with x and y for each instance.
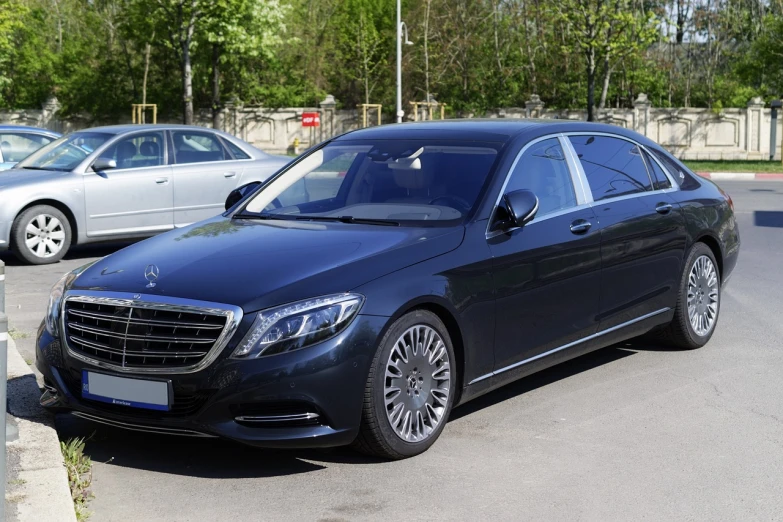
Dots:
(410, 388)
(698, 304)
(41, 235)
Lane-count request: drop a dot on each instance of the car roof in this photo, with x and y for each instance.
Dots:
(25, 128)
(495, 129)
(132, 127)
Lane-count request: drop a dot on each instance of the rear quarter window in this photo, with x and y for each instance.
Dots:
(681, 174)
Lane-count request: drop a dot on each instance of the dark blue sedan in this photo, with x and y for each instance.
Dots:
(387, 276)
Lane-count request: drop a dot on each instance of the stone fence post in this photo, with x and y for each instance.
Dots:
(327, 105)
(641, 114)
(534, 107)
(49, 113)
(753, 123)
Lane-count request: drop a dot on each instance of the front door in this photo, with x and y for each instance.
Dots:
(204, 176)
(547, 273)
(136, 197)
(643, 230)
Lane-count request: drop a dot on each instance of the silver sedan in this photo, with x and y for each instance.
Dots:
(121, 182)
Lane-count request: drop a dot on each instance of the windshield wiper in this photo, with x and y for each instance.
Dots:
(248, 215)
(350, 219)
(42, 168)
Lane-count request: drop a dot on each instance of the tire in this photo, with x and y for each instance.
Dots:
(379, 434)
(681, 332)
(41, 235)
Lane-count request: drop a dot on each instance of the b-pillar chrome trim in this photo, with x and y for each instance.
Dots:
(569, 345)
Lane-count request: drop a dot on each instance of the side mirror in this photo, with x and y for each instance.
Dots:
(104, 164)
(522, 206)
(239, 193)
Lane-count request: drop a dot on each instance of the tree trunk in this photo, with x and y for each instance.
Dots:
(605, 86)
(187, 86)
(144, 82)
(216, 124)
(590, 84)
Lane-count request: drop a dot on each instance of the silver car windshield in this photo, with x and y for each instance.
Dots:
(393, 180)
(66, 153)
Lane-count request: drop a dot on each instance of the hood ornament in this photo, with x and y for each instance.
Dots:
(151, 273)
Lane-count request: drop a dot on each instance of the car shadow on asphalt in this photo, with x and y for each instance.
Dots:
(215, 458)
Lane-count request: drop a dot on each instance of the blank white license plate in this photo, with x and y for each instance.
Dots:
(136, 393)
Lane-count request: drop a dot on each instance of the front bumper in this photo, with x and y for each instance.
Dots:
(307, 398)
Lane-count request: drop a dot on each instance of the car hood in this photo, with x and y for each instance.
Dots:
(14, 177)
(257, 264)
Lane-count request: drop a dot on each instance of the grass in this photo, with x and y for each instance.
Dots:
(79, 468)
(734, 166)
(18, 334)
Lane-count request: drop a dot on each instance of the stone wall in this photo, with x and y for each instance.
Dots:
(689, 133)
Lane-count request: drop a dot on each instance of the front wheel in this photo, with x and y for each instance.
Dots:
(41, 235)
(410, 388)
(698, 304)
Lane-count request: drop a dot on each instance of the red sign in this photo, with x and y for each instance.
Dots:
(311, 119)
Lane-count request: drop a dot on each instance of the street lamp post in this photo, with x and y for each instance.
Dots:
(400, 26)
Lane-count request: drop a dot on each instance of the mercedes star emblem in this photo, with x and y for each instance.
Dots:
(151, 273)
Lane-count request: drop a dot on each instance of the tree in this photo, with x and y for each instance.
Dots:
(12, 14)
(603, 30)
(243, 29)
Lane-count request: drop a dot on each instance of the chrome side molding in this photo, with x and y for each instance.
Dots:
(569, 345)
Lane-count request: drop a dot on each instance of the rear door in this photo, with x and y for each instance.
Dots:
(137, 196)
(204, 173)
(643, 229)
(547, 273)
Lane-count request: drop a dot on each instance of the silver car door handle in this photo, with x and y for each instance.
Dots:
(229, 174)
(580, 226)
(663, 208)
(162, 181)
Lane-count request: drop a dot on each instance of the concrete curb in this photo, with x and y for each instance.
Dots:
(742, 176)
(43, 492)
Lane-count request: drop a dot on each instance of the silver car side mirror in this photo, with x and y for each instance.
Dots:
(104, 164)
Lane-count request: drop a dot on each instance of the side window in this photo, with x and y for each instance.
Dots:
(16, 147)
(197, 147)
(543, 170)
(614, 167)
(139, 150)
(236, 151)
(681, 176)
(660, 181)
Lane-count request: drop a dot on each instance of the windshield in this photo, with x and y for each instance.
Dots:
(381, 180)
(67, 152)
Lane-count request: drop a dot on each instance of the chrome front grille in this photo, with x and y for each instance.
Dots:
(139, 335)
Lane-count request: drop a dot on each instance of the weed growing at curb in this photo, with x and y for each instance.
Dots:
(18, 334)
(79, 467)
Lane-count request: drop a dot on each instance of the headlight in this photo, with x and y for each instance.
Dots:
(56, 298)
(296, 325)
(55, 301)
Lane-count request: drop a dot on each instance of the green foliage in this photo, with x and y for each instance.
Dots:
(79, 469)
(473, 55)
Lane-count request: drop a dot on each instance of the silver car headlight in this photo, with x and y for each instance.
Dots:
(296, 325)
(54, 309)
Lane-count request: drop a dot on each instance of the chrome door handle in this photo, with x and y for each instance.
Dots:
(663, 208)
(229, 174)
(162, 181)
(580, 226)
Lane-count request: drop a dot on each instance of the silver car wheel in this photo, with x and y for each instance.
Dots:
(703, 295)
(417, 383)
(44, 235)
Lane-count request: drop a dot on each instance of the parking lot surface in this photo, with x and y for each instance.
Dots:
(635, 431)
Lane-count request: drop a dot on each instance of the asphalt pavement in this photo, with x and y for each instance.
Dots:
(634, 431)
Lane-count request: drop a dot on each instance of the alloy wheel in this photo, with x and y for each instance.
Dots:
(703, 295)
(44, 235)
(417, 383)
